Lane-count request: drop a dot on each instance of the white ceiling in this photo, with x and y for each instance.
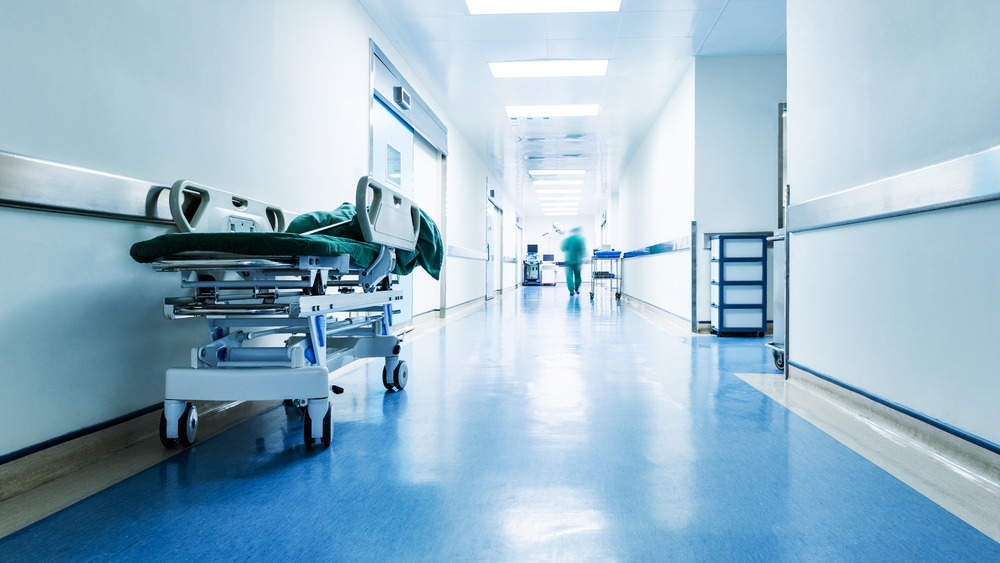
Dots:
(649, 43)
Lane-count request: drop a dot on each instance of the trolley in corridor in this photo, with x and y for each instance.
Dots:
(605, 265)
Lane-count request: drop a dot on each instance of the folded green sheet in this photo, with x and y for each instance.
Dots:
(342, 239)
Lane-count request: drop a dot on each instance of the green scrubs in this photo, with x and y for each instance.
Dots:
(574, 246)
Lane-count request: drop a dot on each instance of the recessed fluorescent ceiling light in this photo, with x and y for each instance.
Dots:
(564, 110)
(540, 6)
(559, 198)
(557, 182)
(556, 172)
(557, 191)
(535, 69)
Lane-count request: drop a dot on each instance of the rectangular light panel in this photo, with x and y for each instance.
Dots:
(556, 172)
(534, 69)
(557, 191)
(564, 110)
(477, 7)
(557, 183)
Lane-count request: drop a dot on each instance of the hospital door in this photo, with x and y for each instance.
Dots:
(392, 163)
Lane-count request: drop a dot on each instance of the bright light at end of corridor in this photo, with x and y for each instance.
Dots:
(557, 182)
(556, 172)
(564, 110)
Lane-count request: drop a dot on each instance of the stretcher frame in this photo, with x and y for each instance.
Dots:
(300, 298)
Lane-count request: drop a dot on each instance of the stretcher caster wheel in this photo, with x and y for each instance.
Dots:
(591, 295)
(399, 376)
(327, 428)
(167, 442)
(188, 425)
(779, 360)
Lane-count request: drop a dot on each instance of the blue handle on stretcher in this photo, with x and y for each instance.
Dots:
(388, 320)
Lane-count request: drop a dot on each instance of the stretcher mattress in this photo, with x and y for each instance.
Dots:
(344, 238)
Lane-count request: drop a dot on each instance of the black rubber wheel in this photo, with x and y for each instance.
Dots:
(167, 442)
(591, 295)
(618, 296)
(188, 425)
(779, 360)
(389, 385)
(327, 427)
(401, 374)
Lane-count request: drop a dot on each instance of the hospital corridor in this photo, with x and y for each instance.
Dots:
(499, 280)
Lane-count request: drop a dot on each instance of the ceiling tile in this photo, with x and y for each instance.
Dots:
(442, 28)
(580, 48)
(752, 13)
(652, 49)
(737, 42)
(520, 27)
(658, 24)
(448, 51)
(430, 8)
(582, 26)
(779, 45)
(513, 50)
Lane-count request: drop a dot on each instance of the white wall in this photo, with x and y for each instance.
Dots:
(510, 250)
(656, 204)
(465, 204)
(736, 156)
(896, 307)
(656, 191)
(888, 87)
(266, 99)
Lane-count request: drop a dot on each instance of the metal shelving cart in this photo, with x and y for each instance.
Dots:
(606, 265)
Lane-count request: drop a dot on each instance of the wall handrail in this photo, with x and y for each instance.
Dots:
(32, 183)
(961, 181)
(676, 245)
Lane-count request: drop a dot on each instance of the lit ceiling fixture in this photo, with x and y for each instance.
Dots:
(560, 191)
(477, 7)
(557, 182)
(548, 68)
(556, 172)
(564, 110)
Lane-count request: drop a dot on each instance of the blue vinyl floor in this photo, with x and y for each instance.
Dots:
(541, 428)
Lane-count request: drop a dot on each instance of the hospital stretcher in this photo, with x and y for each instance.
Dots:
(329, 298)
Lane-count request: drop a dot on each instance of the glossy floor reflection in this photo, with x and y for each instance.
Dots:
(542, 428)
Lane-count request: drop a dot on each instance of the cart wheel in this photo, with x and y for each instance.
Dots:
(401, 374)
(398, 379)
(188, 425)
(779, 360)
(327, 427)
(167, 442)
(618, 296)
(591, 295)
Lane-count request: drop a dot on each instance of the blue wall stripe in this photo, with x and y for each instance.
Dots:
(905, 410)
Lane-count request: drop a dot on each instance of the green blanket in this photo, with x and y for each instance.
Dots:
(342, 239)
